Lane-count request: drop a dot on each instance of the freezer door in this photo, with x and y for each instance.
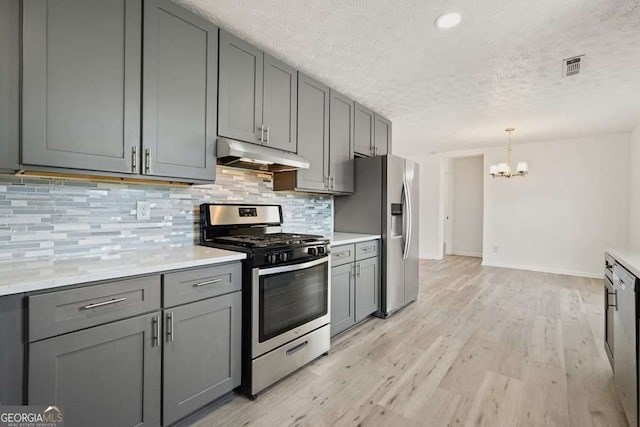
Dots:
(393, 293)
(411, 258)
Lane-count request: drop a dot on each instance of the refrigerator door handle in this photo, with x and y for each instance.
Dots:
(406, 216)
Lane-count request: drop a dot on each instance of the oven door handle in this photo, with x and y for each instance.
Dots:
(292, 267)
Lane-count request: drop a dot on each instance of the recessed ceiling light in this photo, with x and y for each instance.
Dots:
(448, 20)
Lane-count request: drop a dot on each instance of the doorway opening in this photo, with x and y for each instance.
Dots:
(463, 205)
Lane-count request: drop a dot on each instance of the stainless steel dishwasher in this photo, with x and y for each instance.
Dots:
(624, 336)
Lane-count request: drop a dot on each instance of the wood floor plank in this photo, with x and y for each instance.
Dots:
(480, 346)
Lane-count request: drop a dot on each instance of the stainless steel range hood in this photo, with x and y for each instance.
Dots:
(231, 152)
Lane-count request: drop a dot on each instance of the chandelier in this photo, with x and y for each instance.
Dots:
(504, 169)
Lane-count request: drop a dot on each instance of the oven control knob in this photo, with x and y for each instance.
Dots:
(284, 256)
(312, 251)
(271, 258)
(320, 250)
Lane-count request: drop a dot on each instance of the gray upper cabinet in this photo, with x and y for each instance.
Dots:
(258, 96)
(341, 143)
(280, 104)
(201, 354)
(103, 376)
(367, 287)
(240, 90)
(342, 298)
(81, 83)
(364, 128)
(180, 63)
(313, 133)
(9, 84)
(382, 135)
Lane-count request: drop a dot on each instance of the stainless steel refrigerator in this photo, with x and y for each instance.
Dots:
(386, 202)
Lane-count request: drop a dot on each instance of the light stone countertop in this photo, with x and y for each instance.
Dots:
(630, 259)
(340, 238)
(35, 275)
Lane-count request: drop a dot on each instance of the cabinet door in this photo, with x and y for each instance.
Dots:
(367, 287)
(81, 83)
(342, 298)
(280, 104)
(103, 376)
(201, 354)
(9, 83)
(364, 128)
(313, 132)
(341, 163)
(382, 136)
(240, 89)
(180, 83)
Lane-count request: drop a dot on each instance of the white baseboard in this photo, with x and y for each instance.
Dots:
(463, 253)
(544, 270)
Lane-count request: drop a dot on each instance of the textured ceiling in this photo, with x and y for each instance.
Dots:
(459, 88)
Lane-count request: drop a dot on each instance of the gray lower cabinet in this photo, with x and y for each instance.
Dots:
(364, 128)
(382, 136)
(108, 375)
(240, 90)
(81, 68)
(12, 349)
(180, 80)
(367, 287)
(342, 298)
(341, 143)
(201, 354)
(355, 289)
(9, 84)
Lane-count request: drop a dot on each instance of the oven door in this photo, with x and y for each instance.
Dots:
(287, 302)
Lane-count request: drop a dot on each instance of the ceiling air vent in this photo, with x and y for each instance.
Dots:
(572, 66)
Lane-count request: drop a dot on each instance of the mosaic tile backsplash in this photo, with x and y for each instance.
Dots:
(67, 218)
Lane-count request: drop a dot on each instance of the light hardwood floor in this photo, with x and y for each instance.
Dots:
(481, 346)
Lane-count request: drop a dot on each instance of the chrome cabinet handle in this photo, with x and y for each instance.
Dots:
(147, 160)
(208, 282)
(156, 331)
(103, 303)
(367, 249)
(261, 129)
(341, 254)
(134, 159)
(170, 327)
(353, 271)
(296, 348)
(615, 297)
(333, 182)
(358, 270)
(268, 135)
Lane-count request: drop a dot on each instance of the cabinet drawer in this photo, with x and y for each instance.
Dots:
(366, 250)
(192, 285)
(342, 255)
(60, 312)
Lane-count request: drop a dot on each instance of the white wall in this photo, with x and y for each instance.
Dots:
(466, 200)
(634, 190)
(430, 195)
(560, 217)
(566, 212)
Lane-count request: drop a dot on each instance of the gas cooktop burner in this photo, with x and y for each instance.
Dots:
(266, 240)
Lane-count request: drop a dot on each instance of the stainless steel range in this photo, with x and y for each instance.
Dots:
(285, 290)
